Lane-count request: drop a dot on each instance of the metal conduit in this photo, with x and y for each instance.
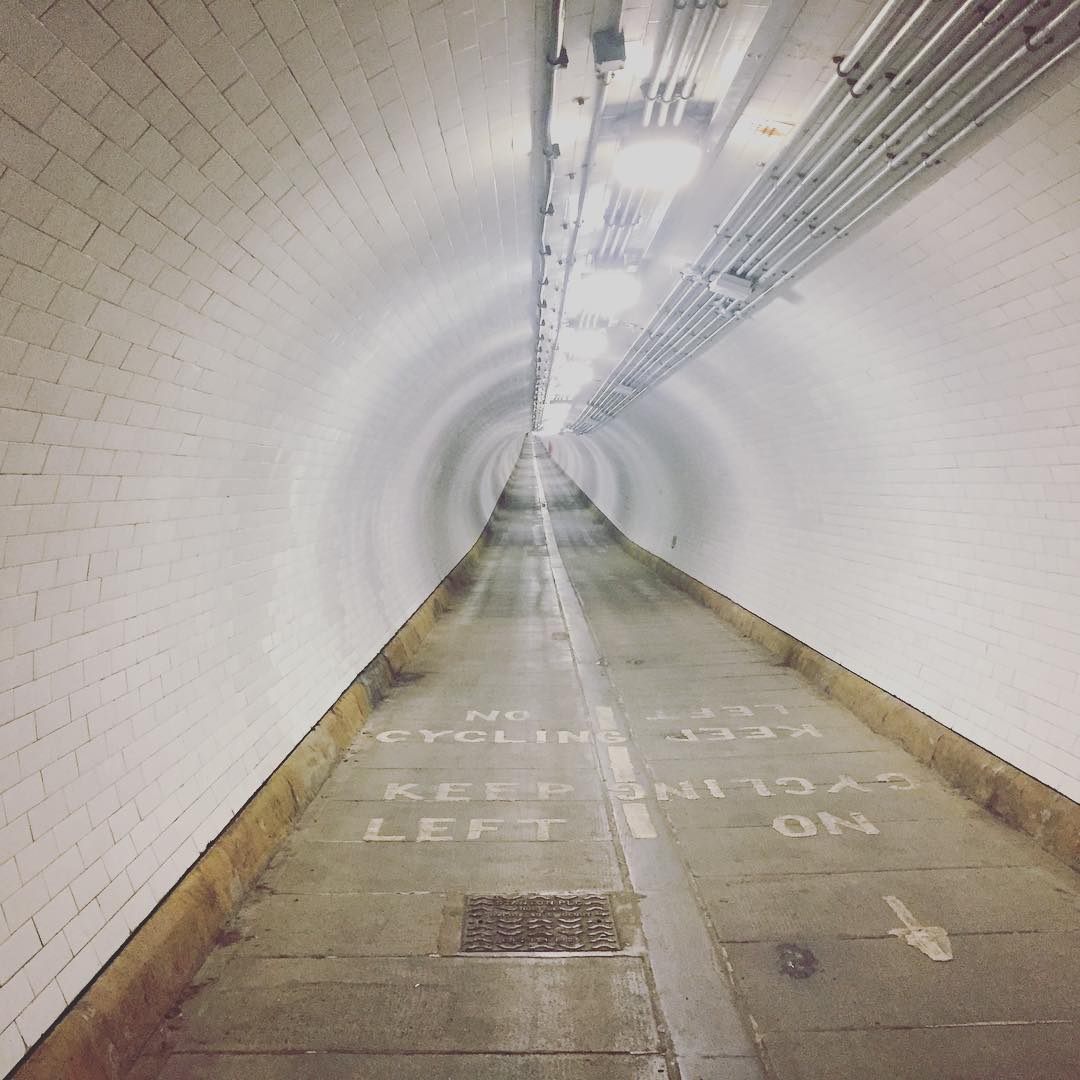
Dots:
(877, 117)
(645, 348)
(568, 262)
(691, 329)
(863, 82)
(624, 215)
(685, 47)
(664, 64)
(677, 52)
(724, 322)
(847, 64)
(901, 159)
(688, 83)
(672, 81)
(669, 307)
(845, 172)
(542, 371)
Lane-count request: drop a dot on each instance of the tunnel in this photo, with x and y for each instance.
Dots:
(540, 540)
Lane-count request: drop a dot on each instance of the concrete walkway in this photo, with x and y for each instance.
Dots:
(578, 726)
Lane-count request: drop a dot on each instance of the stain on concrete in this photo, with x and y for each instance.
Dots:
(797, 962)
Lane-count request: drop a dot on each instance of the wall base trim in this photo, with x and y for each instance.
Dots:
(102, 1032)
(1027, 804)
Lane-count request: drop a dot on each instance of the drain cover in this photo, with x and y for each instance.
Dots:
(538, 922)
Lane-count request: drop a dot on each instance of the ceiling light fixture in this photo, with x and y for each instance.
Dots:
(657, 164)
(570, 377)
(583, 344)
(555, 417)
(607, 293)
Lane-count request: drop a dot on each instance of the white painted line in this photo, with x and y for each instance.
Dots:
(605, 718)
(639, 821)
(621, 768)
(932, 941)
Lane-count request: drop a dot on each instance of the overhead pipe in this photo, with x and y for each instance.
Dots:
(1033, 42)
(863, 82)
(806, 178)
(619, 244)
(805, 209)
(624, 215)
(664, 62)
(688, 84)
(698, 318)
(905, 74)
(808, 144)
(669, 306)
(935, 98)
(672, 80)
(624, 371)
(679, 291)
(586, 166)
(928, 163)
(847, 64)
(683, 287)
(555, 61)
(931, 160)
(613, 218)
(864, 141)
(900, 158)
(649, 341)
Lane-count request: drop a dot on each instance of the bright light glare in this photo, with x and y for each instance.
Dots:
(607, 293)
(567, 128)
(657, 164)
(638, 58)
(595, 201)
(556, 414)
(569, 376)
(585, 344)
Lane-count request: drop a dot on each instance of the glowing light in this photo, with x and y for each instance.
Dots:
(639, 58)
(657, 164)
(570, 376)
(585, 344)
(567, 128)
(556, 414)
(596, 200)
(608, 293)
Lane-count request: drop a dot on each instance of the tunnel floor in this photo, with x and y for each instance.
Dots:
(741, 865)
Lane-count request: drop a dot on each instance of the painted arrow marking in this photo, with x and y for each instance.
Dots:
(931, 941)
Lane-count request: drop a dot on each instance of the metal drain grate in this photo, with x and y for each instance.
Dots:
(537, 922)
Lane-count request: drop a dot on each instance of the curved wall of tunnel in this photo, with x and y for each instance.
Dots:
(267, 336)
(266, 322)
(883, 464)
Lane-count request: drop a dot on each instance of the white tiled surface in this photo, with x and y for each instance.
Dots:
(267, 289)
(886, 462)
(266, 303)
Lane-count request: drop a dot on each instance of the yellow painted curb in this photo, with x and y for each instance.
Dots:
(1047, 816)
(102, 1032)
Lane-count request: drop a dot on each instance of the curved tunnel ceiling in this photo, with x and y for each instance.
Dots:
(726, 150)
(269, 283)
(267, 310)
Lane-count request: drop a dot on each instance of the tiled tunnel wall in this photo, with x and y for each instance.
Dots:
(266, 326)
(885, 462)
